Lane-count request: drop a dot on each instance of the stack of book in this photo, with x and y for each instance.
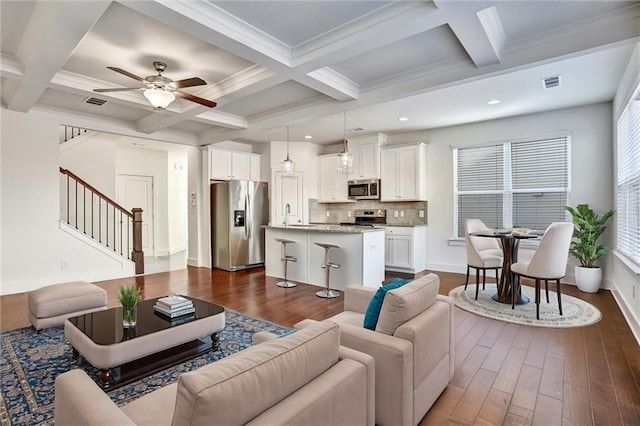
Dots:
(174, 306)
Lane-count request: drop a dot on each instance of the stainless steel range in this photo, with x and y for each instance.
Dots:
(368, 218)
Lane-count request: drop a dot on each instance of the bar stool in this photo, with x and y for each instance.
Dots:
(286, 259)
(327, 293)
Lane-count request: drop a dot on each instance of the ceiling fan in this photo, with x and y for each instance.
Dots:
(160, 90)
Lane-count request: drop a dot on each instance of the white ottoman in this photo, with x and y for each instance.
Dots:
(52, 305)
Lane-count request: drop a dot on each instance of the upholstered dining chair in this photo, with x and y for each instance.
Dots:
(549, 262)
(482, 252)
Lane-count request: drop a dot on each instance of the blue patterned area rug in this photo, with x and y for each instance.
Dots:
(576, 312)
(30, 362)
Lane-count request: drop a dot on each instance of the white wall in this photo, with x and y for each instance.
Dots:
(626, 277)
(92, 157)
(177, 200)
(32, 245)
(591, 173)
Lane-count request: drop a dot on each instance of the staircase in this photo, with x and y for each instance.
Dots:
(92, 213)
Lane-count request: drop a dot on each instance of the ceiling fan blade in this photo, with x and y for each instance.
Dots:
(119, 89)
(127, 73)
(195, 99)
(188, 82)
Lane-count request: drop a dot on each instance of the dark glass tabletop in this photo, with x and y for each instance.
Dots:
(105, 327)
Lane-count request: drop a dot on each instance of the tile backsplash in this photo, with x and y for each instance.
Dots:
(339, 212)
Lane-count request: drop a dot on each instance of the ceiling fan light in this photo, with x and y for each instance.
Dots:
(159, 98)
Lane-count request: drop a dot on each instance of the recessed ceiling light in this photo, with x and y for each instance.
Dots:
(403, 118)
(494, 102)
(308, 137)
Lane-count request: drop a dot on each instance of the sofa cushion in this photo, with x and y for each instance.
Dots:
(404, 303)
(373, 310)
(263, 375)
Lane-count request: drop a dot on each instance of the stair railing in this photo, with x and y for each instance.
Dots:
(99, 217)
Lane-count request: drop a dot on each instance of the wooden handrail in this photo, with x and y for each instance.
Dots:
(92, 188)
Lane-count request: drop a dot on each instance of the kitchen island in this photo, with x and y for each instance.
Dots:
(361, 256)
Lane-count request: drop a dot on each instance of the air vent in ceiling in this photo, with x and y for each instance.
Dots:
(357, 129)
(95, 101)
(551, 82)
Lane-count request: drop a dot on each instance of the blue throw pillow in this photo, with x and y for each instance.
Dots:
(375, 305)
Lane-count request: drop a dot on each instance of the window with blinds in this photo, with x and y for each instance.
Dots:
(628, 181)
(514, 184)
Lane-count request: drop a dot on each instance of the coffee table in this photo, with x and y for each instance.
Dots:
(155, 343)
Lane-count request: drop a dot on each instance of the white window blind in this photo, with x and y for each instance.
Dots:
(628, 182)
(520, 184)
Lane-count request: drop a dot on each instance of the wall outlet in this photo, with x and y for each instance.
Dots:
(420, 213)
(64, 264)
(634, 291)
(328, 213)
(401, 213)
(395, 213)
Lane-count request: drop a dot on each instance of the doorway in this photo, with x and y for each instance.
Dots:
(137, 191)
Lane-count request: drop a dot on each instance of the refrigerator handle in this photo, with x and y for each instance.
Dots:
(247, 209)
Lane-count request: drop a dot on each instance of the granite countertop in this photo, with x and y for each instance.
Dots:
(326, 228)
(382, 225)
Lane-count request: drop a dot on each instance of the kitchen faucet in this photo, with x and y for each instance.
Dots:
(287, 212)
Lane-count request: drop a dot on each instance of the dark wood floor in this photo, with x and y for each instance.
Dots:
(505, 373)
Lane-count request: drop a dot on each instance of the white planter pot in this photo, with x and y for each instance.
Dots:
(588, 279)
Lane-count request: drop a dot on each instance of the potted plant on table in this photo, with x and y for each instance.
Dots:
(588, 227)
(129, 297)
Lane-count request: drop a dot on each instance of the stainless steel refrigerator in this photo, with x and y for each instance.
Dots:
(239, 208)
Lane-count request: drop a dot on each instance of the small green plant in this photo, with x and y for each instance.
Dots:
(588, 227)
(129, 296)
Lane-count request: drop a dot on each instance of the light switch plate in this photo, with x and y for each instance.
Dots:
(420, 213)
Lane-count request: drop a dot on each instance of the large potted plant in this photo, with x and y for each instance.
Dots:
(588, 227)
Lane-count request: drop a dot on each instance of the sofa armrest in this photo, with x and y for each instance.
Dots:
(369, 362)
(79, 401)
(431, 337)
(452, 328)
(357, 297)
(394, 369)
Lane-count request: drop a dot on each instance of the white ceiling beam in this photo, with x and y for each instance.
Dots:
(214, 25)
(329, 82)
(393, 23)
(47, 44)
(10, 67)
(475, 31)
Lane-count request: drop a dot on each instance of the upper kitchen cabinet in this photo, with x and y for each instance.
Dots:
(366, 156)
(227, 165)
(332, 185)
(403, 173)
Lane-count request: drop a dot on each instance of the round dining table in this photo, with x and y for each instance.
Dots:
(510, 242)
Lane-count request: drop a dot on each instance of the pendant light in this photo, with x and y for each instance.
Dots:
(288, 166)
(345, 158)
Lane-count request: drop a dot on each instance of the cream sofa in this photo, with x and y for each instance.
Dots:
(412, 345)
(304, 378)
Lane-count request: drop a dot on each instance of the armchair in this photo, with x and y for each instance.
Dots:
(412, 346)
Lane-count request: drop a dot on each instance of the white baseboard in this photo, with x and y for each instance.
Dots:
(193, 262)
(632, 321)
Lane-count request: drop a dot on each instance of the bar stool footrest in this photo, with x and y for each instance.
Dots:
(286, 284)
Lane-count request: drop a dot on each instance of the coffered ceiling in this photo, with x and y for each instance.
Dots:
(269, 64)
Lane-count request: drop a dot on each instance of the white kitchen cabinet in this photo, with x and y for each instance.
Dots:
(288, 190)
(332, 185)
(227, 165)
(405, 248)
(403, 173)
(366, 156)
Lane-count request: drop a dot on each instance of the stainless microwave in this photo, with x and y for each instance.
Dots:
(368, 189)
